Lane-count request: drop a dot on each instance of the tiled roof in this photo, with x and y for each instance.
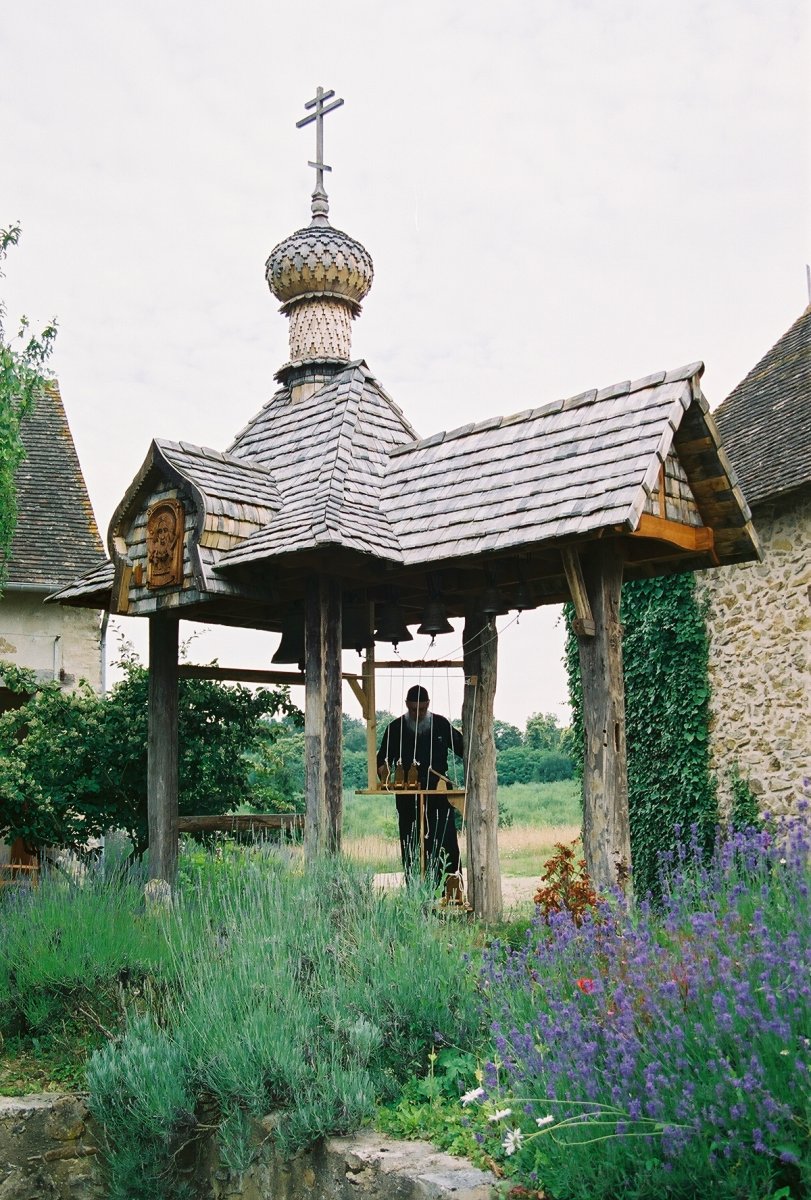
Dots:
(91, 588)
(328, 455)
(765, 421)
(57, 537)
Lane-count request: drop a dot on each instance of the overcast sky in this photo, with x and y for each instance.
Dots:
(556, 196)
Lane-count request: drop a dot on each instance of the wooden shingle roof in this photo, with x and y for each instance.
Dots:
(339, 471)
(765, 421)
(554, 472)
(56, 537)
(567, 470)
(328, 454)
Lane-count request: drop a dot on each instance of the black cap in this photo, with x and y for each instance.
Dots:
(417, 695)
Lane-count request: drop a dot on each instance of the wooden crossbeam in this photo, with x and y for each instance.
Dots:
(423, 663)
(239, 822)
(238, 674)
(584, 621)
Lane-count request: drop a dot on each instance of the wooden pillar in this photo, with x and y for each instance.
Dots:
(606, 827)
(162, 755)
(322, 717)
(371, 705)
(481, 806)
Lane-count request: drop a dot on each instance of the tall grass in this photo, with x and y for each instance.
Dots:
(73, 942)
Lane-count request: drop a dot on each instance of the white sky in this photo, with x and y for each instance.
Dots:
(556, 196)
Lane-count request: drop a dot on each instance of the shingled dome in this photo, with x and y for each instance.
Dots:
(319, 261)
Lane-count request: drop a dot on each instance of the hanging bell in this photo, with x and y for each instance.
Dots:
(291, 647)
(435, 619)
(493, 603)
(413, 778)
(390, 624)
(355, 632)
(521, 598)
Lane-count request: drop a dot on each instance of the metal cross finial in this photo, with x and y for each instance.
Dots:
(321, 108)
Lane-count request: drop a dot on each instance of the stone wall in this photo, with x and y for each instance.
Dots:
(759, 620)
(48, 1151)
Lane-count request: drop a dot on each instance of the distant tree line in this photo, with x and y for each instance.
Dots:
(540, 753)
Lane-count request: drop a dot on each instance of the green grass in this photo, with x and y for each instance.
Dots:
(541, 804)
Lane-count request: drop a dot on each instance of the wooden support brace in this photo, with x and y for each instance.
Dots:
(584, 621)
(162, 751)
(688, 537)
(123, 597)
(662, 494)
(358, 692)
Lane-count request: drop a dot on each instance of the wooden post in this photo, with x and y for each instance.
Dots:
(322, 717)
(481, 812)
(606, 826)
(371, 705)
(162, 757)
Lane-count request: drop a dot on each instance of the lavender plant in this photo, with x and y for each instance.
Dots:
(663, 1051)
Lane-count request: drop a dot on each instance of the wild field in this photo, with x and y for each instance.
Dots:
(534, 816)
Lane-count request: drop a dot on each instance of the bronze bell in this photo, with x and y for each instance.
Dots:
(521, 598)
(493, 603)
(291, 647)
(390, 624)
(435, 619)
(355, 631)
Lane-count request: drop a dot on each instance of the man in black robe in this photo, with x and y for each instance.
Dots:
(424, 739)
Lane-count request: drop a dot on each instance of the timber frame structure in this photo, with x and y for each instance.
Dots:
(327, 512)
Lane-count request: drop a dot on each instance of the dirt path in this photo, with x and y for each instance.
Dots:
(516, 890)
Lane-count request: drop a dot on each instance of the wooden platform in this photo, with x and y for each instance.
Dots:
(454, 796)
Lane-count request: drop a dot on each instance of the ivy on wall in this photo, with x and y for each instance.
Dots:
(665, 660)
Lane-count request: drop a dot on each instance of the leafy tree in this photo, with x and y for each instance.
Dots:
(506, 736)
(277, 767)
(354, 734)
(542, 732)
(74, 765)
(22, 374)
(519, 764)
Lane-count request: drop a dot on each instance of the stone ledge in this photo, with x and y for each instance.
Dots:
(48, 1151)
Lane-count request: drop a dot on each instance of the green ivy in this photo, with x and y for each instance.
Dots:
(745, 810)
(667, 692)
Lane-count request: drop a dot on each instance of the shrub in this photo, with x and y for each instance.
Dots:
(300, 991)
(565, 885)
(76, 763)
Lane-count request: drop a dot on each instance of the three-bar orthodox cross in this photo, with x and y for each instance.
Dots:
(319, 103)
